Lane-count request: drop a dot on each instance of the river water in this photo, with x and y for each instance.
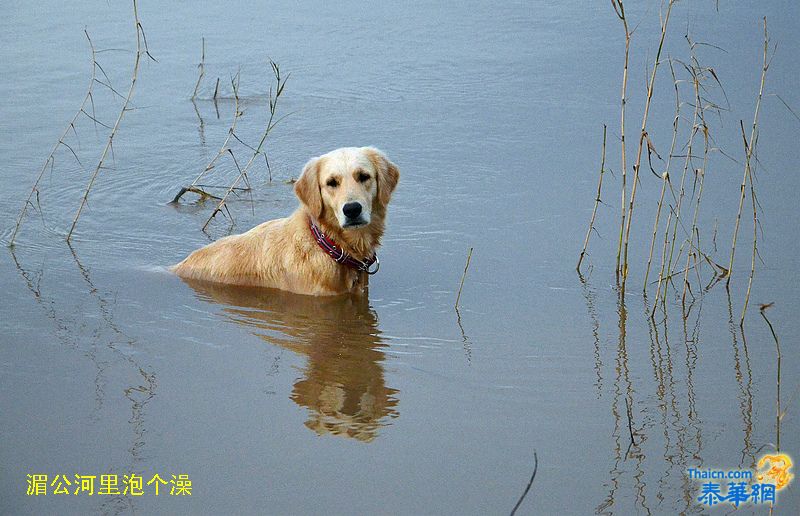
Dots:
(282, 404)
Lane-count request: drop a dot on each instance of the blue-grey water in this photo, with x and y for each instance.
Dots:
(396, 404)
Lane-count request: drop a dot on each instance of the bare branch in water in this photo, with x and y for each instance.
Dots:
(141, 48)
(237, 113)
(202, 68)
(280, 83)
(463, 276)
(87, 98)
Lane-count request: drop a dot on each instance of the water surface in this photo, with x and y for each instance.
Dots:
(274, 403)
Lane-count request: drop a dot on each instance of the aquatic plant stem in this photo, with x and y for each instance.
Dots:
(597, 201)
(702, 173)
(748, 155)
(755, 238)
(463, 276)
(619, 8)
(202, 68)
(642, 138)
(664, 175)
(663, 257)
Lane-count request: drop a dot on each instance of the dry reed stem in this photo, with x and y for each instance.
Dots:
(747, 170)
(702, 173)
(677, 273)
(642, 138)
(666, 263)
(619, 8)
(71, 125)
(698, 265)
(664, 175)
(750, 150)
(692, 248)
(597, 201)
(682, 192)
(463, 276)
(280, 83)
(755, 234)
(663, 257)
(202, 68)
(141, 48)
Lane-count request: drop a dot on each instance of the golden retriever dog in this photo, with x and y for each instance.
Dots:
(326, 247)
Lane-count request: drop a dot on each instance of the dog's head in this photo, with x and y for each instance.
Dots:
(351, 185)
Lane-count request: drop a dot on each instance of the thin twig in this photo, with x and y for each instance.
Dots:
(663, 257)
(237, 113)
(458, 297)
(666, 261)
(280, 83)
(688, 163)
(141, 48)
(71, 125)
(530, 483)
(202, 68)
(597, 201)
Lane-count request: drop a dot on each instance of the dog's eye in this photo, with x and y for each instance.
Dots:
(332, 182)
(363, 177)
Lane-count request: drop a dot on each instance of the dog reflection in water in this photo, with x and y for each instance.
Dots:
(343, 385)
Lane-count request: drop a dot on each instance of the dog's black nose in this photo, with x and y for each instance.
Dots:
(352, 209)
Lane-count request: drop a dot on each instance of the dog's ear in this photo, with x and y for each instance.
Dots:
(388, 174)
(307, 188)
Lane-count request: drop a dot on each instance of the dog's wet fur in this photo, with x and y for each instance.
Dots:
(346, 193)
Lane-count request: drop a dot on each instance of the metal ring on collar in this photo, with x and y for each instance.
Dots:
(377, 265)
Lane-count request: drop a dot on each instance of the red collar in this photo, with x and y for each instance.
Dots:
(340, 255)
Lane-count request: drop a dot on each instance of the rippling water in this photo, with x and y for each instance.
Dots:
(274, 403)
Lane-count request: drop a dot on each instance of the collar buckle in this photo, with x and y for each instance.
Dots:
(376, 263)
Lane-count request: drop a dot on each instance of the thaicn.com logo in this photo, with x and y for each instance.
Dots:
(744, 486)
